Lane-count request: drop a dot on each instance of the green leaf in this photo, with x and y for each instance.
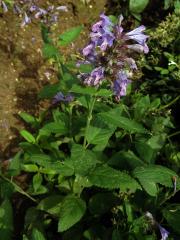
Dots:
(51, 204)
(107, 177)
(96, 135)
(83, 160)
(49, 91)
(72, 210)
(49, 51)
(110, 118)
(138, 6)
(148, 148)
(172, 216)
(37, 235)
(56, 166)
(149, 187)
(29, 168)
(29, 119)
(125, 160)
(37, 180)
(69, 36)
(6, 220)
(28, 136)
(56, 127)
(45, 34)
(15, 165)
(149, 176)
(83, 90)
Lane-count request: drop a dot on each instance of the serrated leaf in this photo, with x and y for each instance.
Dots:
(83, 160)
(72, 210)
(125, 160)
(107, 177)
(150, 175)
(51, 204)
(58, 167)
(6, 220)
(96, 135)
(137, 6)
(37, 235)
(28, 136)
(122, 122)
(70, 35)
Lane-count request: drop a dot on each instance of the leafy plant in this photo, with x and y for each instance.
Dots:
(97, 165)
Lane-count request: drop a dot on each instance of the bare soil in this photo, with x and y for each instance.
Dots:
(23, 71)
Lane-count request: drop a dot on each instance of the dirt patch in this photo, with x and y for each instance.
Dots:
(22, 69)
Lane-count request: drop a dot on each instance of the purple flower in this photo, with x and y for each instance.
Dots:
(4, 7)
(41, 12)
(131, 62)
(137, 35)
(26, 20)
(164, 232)
(95, 77)
(120, 84)
(60, 97)
(62, 8)
(139, 48)
(88, 49)
(16, 9)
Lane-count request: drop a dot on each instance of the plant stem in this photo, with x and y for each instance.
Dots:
(174, 134)
(170, 103)
(18, 188)
(89, 118)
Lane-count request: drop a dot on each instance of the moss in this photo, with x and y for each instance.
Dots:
(168, 31)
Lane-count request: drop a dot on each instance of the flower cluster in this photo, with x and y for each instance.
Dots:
(60, 97)
(29, 10)
(109, 51)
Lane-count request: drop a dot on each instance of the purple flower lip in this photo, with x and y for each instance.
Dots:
(139, 37)
(164, 232)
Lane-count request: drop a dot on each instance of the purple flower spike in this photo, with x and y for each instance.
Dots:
(164, 232)
(120, 84)
(60, 97)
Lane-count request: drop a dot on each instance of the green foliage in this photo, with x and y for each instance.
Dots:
(6, 220)
(94, 166)
(71, 211)
(69, 36)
